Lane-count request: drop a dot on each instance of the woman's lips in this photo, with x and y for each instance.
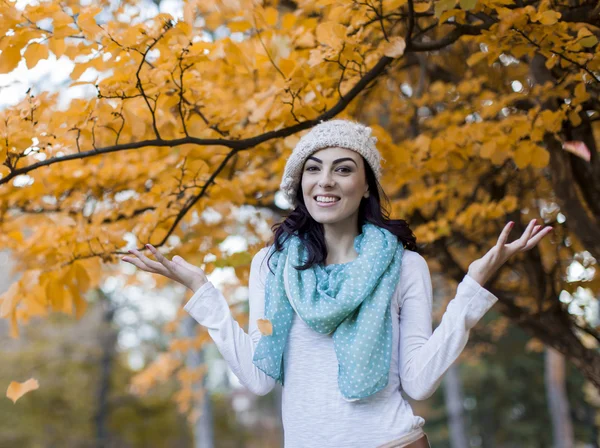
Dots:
(327, 204)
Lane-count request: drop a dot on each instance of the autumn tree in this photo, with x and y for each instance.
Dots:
(485, 111)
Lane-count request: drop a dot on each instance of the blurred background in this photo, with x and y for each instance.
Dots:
(485, 110)
(499, 393)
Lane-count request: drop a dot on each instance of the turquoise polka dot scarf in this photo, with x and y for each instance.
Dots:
(352, 300)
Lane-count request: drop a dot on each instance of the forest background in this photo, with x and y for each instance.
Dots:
(172, 125)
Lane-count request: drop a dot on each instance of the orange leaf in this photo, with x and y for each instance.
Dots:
(265, 326)
(17, 390)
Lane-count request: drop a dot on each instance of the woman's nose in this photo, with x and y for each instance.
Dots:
(326, 178)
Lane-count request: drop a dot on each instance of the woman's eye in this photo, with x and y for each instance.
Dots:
(342, 169)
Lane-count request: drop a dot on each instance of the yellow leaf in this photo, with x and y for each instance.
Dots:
(586, 38)
(551, 61)
(258, 113)
(488, 149)
(271, 16)
(79, 70)
(16, 235)
(468, 4)
(81, 277)
(438, 164)
(9, 59)
(443, 5)
(331, 34)
(17, 390)
(57, 46)
(522, 156)
(588, 41)
(548, 17)
(239, 26)
(198, 167)
(265, 326)
(87, 22)
(55, 292)
(475, 58)
(394, 4)
(574, 118)
(288, 21)
(395, 47)
(422, 7)
(581, 94)
(457, 14)
(287, 66)
(34, 53)
(540, 157)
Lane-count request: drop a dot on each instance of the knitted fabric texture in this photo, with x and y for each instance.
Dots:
(351, 300)
(343, 133)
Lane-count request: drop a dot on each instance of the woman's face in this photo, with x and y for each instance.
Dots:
(333, 172)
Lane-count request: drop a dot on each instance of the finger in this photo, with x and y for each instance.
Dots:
(161, 258)
(504, 234)
(537, 238)
(138, 263)
(180, 261)
(156, 266)
(522, 242)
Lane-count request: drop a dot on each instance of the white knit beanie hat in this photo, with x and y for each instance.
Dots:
(343, 133)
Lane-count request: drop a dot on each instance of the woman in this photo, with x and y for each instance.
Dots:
(349, 301)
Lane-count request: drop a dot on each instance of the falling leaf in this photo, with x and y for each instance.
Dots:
(265, 326)
(578, 148)
(17, 390)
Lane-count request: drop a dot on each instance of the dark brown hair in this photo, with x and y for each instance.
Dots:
(311, 232)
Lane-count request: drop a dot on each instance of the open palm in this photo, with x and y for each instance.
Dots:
(176, 269)
(483, 268)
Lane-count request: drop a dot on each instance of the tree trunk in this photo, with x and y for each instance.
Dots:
(558, 403)
(108, 337)
(453, 394)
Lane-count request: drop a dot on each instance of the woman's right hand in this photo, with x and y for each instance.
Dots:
(178, 269)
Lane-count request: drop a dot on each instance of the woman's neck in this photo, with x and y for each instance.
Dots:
(339, 240)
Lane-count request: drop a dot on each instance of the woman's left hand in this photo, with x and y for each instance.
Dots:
(482, 269)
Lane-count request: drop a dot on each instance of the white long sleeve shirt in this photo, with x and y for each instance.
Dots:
(314, 413)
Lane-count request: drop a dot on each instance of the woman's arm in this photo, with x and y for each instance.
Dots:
(424, 356)
(210, 309)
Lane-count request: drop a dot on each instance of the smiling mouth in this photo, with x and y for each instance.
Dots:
(337, 199)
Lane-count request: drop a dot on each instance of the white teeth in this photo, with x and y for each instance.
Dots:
(326, 199)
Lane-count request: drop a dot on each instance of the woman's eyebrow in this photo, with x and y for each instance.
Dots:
(335, 161)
